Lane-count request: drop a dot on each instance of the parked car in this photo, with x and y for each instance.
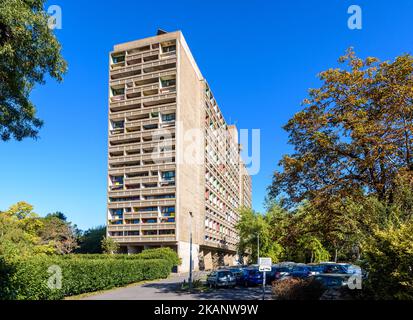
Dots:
(300, 271)
(281, 271)
(315, 269)
(238, 273)
(333, 268)
(352, 269)
(332, 281)
(255, 277)
(221, 278)
(242, 279)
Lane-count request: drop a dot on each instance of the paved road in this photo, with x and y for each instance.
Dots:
(167, 290)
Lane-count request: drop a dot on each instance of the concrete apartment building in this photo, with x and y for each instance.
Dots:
(174, 163)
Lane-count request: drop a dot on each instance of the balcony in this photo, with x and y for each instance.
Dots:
(146, 179)
(141, 168)
(163, 98)
(144, 238)
(142, 68)
(158, 202)
(144, 77)
(131, 115)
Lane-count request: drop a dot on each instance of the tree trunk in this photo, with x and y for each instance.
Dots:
(335, 255)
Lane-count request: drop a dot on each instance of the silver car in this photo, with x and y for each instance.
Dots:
(221, 278)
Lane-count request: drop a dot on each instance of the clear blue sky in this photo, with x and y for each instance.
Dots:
(259, 57)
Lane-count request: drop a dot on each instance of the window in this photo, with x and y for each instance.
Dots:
(166, 232)
(132, 233)
(169, 49)
(149, 221)
(116, 211)
(118, 91)
(146, 209)
(118, 58)
(168, 209)
(118, 124)
(149, 232)
(168, 175)
(168, 82)
(168, 117)
(117, 180)
(150, 126)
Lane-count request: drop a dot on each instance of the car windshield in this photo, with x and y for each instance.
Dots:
(334, 269)
(224, 273)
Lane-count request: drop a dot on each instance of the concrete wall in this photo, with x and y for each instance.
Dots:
(184, 253)
(190, 155)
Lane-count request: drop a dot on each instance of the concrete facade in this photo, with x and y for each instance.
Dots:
(174, 164)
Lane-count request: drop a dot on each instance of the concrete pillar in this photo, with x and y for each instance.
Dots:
(208, 260)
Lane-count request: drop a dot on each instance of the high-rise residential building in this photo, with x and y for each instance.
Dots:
(174, 164)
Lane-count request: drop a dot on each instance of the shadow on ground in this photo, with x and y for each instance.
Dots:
(237, 293)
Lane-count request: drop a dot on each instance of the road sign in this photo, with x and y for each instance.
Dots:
(264, 264)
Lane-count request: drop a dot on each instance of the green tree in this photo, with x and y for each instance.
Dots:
(19, 228)
(109, 246)
(253, 225)
(90, 241)
(28, 51)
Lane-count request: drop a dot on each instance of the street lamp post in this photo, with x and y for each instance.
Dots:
(190, 252)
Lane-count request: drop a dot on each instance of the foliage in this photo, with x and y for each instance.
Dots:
(109, 246)
(28, 51)
(316, 249)
(90, 240)
(251, 226)
(27, 278)
(354, 135)
(297, 289)
(389, 260)
(161, 253)
(59, 233)
(19, 228)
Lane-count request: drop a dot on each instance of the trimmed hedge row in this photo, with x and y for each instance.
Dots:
(28, 279)
(158, 253)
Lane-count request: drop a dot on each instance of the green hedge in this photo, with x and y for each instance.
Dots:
(158, 253)
(27, 279)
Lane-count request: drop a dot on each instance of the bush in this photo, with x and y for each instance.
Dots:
(27, 279)
(297, 289)
(161, 253)
(389, 261)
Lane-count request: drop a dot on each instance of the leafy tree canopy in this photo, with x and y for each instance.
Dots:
(353, 136)
(28, 51)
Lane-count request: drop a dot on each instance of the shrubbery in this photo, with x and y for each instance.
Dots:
(27, 278)
(297, 289)
(161, 253)
(389, 261)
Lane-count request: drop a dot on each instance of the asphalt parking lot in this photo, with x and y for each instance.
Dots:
(168, 289)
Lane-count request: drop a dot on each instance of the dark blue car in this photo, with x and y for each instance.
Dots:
(300, 271)
(255, 277)
(242, 279)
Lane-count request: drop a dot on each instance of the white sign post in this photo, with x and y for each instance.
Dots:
(264, 265)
